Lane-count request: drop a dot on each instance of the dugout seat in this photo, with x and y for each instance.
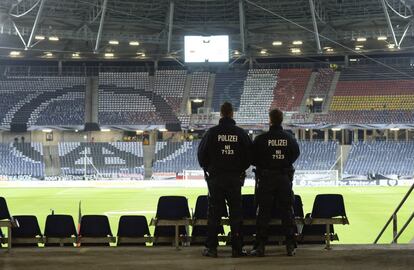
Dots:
(60, 230)
(199, 233)
(171, 221)
(28, 233)
(328, 209)
(133, 231)
(95, 231)
(276, 232)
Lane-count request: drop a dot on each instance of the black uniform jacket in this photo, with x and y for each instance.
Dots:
(225, 149)
(275, 150)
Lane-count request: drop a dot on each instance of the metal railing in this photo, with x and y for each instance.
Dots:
(395, 233)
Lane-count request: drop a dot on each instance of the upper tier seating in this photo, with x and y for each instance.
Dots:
(381, 157)
(290, 88)
(228, 87)
(316, 155)
(366, 117)
(126, 99)
(176, 156)
(22, 159)
(374, 88)
(322, 83)
(39, 101)
(116, 158)
(199, 84)
(257, 96)
(170, 85)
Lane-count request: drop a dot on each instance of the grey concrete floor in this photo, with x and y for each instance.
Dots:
(354, 257)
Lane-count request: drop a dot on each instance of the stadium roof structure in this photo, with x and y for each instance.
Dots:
(154, 29)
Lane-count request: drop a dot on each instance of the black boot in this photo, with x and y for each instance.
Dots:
(258, 250)
(237, 253)
(290, 248)
(210, 252)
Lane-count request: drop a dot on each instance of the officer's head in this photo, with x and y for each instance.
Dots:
(226, 110)
(276, 117)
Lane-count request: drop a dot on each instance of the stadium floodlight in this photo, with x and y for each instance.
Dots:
(14, 53)
(141, 54)
(353, 60)
(329, 50)
(75, 55)
(109, 55)
(263, 51)
(327, 47)
(105, 129)
(236, 52)
(197, 100)
(139, 132)
(39, 37)
(394, 129)
(113, 42)
(361, 39)
(295, 50)
(46, 130)
(54, 38)
(382, 38)
(163, 130)
(134, 43)
(297, 42)
(277, 43)
(317, 99)
(359, 46)
(391, 46)
(336, 129)
(48, 54)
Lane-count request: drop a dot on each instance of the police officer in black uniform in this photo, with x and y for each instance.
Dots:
(274, 152)
(224, 154)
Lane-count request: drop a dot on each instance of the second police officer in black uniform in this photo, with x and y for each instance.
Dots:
(274, 152)
(224, 154)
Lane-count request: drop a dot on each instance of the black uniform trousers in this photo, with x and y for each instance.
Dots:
(271, 187)
(222, 188)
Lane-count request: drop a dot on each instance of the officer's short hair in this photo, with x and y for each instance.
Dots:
(276, 117)
(226, 109)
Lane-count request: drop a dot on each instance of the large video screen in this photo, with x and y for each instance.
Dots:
(199, 49)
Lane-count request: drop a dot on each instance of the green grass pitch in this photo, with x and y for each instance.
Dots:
(367, 208)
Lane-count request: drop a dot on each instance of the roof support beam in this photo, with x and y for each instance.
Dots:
(101, 23)
(170, 26)
(387, 17)
(315, 26)
(242, 22)
(18, 33)
(35, 24)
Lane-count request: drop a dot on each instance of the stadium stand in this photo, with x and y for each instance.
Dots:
(380, 157)
(126, 99)
(95, 231)
(257, 96)
(39, 101)
(372, 94)
(22, 159)
(170, 85)
(228, 87)
(290, 88)
(176, 156)
(316, 155)
(322, 83)
(199, 84)
(60, 231)
(110, 159)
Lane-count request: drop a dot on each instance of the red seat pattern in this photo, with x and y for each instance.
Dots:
(290, 88)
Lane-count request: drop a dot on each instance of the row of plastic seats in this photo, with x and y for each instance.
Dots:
(134, 230)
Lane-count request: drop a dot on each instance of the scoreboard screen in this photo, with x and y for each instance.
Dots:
(199, 49)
